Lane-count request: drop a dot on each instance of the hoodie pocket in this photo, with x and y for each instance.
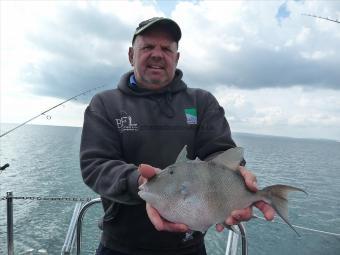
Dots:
(111, 212)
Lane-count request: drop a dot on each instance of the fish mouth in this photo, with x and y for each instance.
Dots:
(143, 190)
(148, 196)
(143, 187)
(141, 193)
(144, 195)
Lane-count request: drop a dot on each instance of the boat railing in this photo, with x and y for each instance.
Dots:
(231, 246)
(74, 232)
(70, 236)
(10, 241)
(71, 233)
(80, 217)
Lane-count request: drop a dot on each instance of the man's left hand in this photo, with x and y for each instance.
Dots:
(246, 214)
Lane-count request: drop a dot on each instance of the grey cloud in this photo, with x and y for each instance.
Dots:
(94, 23)
(85, 49)
(255, 67)
(88, 48)
(64, 79)
(271, 55)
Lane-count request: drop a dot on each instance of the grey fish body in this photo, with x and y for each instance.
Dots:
(201, 194)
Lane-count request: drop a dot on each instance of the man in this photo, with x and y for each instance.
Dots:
(131, 132)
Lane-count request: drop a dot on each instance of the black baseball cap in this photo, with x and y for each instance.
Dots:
(171, 26)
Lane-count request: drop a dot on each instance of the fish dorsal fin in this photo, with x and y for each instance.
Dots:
(230, 158)
(182, 156)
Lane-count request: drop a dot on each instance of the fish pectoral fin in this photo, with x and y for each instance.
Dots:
(230, 158)
(182, 156)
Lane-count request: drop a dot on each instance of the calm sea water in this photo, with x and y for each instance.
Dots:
(44, 162)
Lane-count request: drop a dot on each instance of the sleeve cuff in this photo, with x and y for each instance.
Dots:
(133, 184)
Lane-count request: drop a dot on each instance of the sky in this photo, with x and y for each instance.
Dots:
(274, 70)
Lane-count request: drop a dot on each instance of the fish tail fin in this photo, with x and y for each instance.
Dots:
(276, 196)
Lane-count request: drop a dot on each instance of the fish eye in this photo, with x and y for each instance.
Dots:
(171, 171)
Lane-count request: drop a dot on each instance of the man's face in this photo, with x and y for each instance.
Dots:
(154, 57)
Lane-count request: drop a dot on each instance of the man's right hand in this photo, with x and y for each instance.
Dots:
(160, 224)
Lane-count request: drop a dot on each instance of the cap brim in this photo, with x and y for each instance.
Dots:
(171, 25)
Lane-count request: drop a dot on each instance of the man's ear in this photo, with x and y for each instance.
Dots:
(177, 58)
(131, 55)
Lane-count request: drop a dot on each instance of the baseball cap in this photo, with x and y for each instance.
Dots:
(168, 24)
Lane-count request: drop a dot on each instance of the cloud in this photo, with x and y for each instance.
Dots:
(286, 111)
(274, 70)
(76, 46)
(232, 43)
(264, 53)
(82, 48)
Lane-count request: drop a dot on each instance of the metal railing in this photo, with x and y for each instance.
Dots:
(74, 231)
(10, 246)
(230, 250)
(233, 238)
(71, 236)
(80, 220)
(244, 239)
(75, 228)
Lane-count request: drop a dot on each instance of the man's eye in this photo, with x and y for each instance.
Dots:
(147, 47)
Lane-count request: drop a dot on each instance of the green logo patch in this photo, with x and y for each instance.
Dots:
(191, 115)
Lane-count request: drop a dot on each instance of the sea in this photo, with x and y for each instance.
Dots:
(44, 163)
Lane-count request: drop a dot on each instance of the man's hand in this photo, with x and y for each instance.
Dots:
(160, 224)
(246, 214)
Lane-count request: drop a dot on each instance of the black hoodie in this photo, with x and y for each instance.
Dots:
(128, 126)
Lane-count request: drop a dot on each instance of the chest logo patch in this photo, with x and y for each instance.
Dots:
(191, 115)
(125, 123)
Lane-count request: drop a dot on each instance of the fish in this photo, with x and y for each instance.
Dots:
(204, 193)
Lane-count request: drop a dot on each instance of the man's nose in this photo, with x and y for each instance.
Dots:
(157, 53)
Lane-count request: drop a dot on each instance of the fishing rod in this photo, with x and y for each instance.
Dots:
(49, 109)
(319, 17)
(2, 168)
